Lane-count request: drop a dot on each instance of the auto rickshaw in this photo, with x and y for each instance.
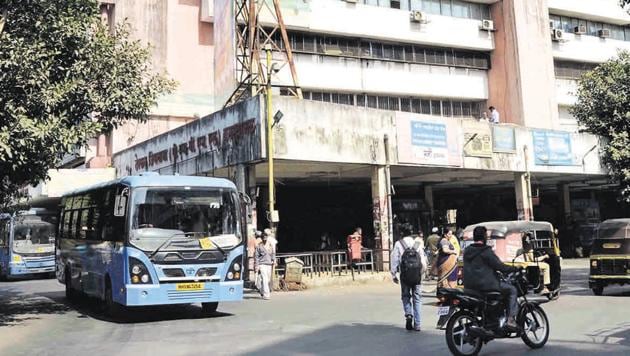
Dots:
(506, 239)
(610, 256)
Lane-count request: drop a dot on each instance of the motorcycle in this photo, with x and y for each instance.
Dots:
(473, 318)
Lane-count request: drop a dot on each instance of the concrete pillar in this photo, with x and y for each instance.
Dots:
(428, 199)
(381, 217)
(521, 81)
(524, 207)
(565, 196)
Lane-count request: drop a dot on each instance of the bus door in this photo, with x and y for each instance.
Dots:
(5, 255)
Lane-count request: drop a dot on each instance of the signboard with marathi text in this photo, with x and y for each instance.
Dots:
(224, 52)
(427, 141)
(503, 139)
(552, 148)
(225, 138)
(477, 138)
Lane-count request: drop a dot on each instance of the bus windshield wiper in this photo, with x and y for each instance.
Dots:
(186, 234)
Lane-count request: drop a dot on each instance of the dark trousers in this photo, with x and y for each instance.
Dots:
(510, 291)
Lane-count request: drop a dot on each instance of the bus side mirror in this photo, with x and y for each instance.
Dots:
(245, 199)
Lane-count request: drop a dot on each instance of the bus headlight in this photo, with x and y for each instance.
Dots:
(138, 272)
(17, 258)
(234, 270)
(594, 263)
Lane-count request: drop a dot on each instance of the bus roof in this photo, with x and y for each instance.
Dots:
(515, 225)
(155, 180)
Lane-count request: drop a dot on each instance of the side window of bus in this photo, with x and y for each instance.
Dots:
(4, 236)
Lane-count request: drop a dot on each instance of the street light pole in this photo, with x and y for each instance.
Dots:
(272, 210)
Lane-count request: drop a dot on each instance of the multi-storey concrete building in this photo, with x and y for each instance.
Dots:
(395, 95)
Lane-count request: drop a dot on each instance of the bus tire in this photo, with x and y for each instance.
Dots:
(71, 293)
(209, 308)
(112, 309)
(598, 289)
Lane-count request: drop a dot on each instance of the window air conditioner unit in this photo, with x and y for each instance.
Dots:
(605, 33)
(417, 16)
(487, 25)
(557, 34)
(579, 30)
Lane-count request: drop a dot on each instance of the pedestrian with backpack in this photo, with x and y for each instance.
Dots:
(409, 262)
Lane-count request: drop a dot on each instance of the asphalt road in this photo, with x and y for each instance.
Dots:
(35, 319)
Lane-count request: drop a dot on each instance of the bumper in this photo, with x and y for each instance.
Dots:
(23, 270)
(139, 295)
(604, 280)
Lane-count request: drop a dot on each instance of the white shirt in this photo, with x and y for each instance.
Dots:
(494, 116)
(399, 249)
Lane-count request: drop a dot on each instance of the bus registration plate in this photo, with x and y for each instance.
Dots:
(189, 286)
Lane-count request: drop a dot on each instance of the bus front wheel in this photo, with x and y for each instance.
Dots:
(71, 293)
(209, 308)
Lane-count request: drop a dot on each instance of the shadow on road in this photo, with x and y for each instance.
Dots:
(93, 308)
(16, 308)
(382, 339)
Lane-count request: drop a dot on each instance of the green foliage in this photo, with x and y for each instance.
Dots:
(603, 108)
(64, 78)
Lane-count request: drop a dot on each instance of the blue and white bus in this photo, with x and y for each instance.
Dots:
(153, 240)
(27, 243)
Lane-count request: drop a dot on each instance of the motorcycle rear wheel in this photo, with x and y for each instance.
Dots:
(458, 338)
(535, 326)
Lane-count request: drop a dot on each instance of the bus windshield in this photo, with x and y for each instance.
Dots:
(177, 218)
(33, 237)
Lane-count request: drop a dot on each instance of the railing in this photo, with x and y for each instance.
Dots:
(330, 262)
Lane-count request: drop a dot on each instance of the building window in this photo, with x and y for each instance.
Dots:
(434, 107)
(568, 24)
(571, 70)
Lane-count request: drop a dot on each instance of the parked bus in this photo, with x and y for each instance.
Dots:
(27, 243)
(153, 240)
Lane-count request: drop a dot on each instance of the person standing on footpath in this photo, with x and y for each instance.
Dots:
(432, 250)
(409, 261)
(265, 259)
(354, 242)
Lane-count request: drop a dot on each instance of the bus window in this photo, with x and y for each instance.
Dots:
(33, 236)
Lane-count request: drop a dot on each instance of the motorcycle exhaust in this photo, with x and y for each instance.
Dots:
(478, 331)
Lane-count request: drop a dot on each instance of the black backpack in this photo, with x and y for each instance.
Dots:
(411, 265)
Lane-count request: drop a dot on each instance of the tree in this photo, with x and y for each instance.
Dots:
(65, 77)
(603, 108)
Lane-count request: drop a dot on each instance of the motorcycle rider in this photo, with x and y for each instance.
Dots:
(480, 266)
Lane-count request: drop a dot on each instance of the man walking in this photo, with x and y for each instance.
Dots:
(264, 261)
(432, 250)
(409, 261)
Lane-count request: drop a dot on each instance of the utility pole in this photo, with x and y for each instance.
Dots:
(273, 214)
(528, 178)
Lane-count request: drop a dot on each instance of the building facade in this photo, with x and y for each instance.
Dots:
(392, 127)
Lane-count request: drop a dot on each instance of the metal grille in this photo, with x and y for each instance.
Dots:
(173, 272)
(200, 295)
(613, 267)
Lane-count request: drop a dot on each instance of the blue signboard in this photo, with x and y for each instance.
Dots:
(428, 134)
(552, 148)
(503, 139)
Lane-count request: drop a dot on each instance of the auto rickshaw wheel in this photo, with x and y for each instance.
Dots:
(598, 290)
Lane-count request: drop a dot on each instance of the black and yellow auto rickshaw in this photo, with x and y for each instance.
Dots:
(610, 256)
(510, 239)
